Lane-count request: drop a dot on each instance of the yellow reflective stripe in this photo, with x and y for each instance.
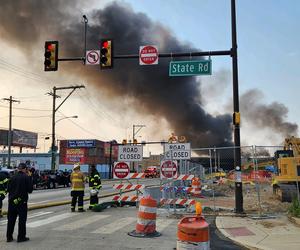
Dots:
(4, 181)
(78, 189)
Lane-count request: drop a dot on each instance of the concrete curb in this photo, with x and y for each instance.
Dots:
(65, 202)
(225, 234)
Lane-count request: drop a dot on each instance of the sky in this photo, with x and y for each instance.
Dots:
(112, 102)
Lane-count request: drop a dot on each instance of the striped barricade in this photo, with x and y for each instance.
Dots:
(185, 177)
(182, 202)
(128, 186)
(136, 175)
(125, 198)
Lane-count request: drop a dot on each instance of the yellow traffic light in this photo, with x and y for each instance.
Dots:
(236, 118)
(51, 56)
(106, 54)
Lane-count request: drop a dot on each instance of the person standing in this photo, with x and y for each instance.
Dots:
(95, 185)
(3, 188)
(77, 192)
(19, 186)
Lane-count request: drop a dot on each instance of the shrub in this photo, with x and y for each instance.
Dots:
(294, 209)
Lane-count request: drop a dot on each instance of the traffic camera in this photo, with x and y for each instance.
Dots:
(106, 54)
(51, 56)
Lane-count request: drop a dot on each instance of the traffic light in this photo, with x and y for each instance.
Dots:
(135, 141)
(51, 56)
(124, 142)
(106, 54)
(236, 118)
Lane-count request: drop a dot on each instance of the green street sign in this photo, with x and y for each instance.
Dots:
(190, 68)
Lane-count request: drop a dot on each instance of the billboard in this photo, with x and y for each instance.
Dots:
(20, 138)
(75, 155)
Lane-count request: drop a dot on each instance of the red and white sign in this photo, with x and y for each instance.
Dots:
(168, 169)
(148, 55)
(92, 57)
(121, 170)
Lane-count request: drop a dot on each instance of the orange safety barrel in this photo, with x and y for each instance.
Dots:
(196, 187)
(193, 233)
(146, 221)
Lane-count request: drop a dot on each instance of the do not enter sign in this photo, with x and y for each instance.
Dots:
(148, 55)
(168, 169)
(121, 170)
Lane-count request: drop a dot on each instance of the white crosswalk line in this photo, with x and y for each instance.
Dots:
(82, 222)
(50, 220)
(161, 224)
(114, 226)
(29, 216)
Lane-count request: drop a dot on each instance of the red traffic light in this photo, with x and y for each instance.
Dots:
(51, 56)
(105, 44)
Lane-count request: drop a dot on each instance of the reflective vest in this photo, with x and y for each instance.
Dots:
(77, 180)
(3, 187)
(95, 181)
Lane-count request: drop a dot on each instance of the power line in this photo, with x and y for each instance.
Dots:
(29, 109)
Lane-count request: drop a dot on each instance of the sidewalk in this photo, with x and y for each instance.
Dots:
(270, 234)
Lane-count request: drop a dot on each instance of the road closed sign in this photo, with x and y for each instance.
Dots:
(177, 151)
(130, 153)
(148, 55)
(168, 169)
(121, 170)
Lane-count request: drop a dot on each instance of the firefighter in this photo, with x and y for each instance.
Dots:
(95, 185)
(3, 189)
(78, 181)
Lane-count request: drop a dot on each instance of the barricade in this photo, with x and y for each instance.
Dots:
(193, 232)
(196, 187)
(146, 221)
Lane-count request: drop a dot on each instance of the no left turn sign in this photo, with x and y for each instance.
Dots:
(148, 55)
(92, 57)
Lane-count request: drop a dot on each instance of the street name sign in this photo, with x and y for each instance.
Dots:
(177, 151)
(121, 170)
(190, 68)
(148, 55)
(130, 153)
(168, 169)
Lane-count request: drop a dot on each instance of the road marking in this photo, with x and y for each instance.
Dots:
(81, 223)
(28, 217)
(114, 226)
(161, 224)
(50, 220)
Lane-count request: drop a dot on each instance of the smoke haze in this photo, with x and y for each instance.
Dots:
(176, 99)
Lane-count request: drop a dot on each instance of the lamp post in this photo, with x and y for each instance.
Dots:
(53, 146)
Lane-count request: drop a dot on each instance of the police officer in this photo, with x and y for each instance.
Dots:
(95, 185)
(78, 181)
(18, 188)
(3, 188)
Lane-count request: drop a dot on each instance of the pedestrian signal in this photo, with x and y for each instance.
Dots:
(51, 56)
(106, 54)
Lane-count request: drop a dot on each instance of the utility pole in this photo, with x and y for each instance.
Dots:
(54, 109)
(236, 121)
(9, 139)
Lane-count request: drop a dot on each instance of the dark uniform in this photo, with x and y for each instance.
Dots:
(3, 188)
(18, 188)
(94, 184)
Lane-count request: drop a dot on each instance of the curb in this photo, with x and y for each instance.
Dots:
(225, 234)
(65, 202)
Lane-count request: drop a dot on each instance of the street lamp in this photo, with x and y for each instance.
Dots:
(53, 146)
